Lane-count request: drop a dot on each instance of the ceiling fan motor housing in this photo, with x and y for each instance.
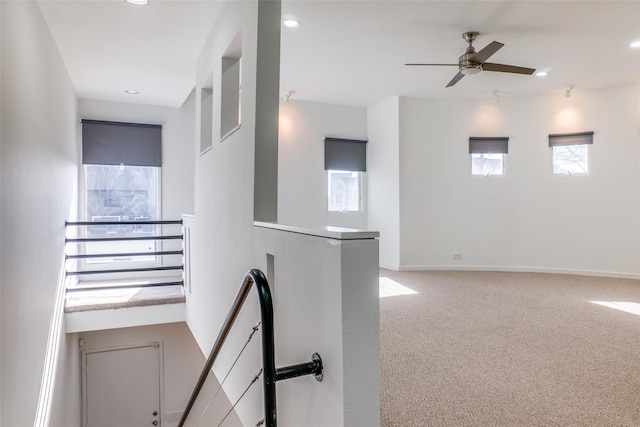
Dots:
(466, 65)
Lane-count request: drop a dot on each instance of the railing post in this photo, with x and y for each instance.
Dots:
(270, 375)
(268, 347)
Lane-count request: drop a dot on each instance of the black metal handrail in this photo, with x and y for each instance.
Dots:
(145, 222)
(270, 375)
(124, 256)
(122, 239)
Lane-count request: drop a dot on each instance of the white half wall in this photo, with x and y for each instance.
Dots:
(38, 169)
(529, 219)
(325, 292)
(302, 180)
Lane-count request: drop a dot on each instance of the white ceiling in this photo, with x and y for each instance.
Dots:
(353, 52)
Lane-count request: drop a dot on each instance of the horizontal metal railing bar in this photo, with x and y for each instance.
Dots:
(121, 239)
(314, 367)
(124, 270)
(146, 285)
(88, 223)
(123, 254)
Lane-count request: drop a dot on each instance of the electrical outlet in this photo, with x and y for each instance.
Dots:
(457, 255)
(171, 417)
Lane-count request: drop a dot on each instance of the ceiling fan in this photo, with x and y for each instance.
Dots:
(472, 62)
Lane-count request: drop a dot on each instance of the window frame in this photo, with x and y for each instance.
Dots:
(360, 175)
(569, 173)
(493, 145)
(570, 139)
(488, 175)
(85, 264)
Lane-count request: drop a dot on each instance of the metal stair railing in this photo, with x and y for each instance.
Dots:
(270, 374)
(127, 231)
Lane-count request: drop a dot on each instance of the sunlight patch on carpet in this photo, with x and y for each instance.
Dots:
(391, 288)
(627, 306)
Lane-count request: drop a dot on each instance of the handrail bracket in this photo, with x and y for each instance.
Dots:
(314, 368)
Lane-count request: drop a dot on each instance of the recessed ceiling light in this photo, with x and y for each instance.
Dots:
(635, 44)
(132, 91)
(138, 2)
(542, 73)
(291, 23)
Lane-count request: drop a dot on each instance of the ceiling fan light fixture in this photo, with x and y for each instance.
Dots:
(471, 70)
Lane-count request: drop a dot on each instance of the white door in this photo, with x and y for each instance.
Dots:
(122, 386)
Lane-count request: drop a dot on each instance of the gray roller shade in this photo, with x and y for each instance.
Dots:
(570, 138)
(345, 154)
(485, 145)
(114, 143)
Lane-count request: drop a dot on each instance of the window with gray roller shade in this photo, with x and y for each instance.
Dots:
(114, 143)
(486, 145)
(570, 138)
(345, 154)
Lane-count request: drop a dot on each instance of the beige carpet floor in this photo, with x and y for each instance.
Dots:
(510, 349)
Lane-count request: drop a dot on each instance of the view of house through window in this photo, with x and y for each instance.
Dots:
(487, 164)
(121, 193)
(488, 154)
(344, 191)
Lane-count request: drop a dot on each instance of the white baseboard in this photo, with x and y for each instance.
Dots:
(593, 273)
(390, 266)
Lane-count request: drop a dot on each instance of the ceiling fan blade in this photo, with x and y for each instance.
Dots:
(445, 65)
(488, 66)
(484, 53)
(455, 79)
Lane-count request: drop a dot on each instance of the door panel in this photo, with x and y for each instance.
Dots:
(122, 387)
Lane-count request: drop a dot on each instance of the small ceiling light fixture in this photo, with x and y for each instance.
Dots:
(138, 2)
(542, 73)
(288, 95)
(567, 92)
(635, 44)
(132, 91)
(291, 23)
(496, 96)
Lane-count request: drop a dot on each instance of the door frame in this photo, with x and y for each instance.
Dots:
(83, 371)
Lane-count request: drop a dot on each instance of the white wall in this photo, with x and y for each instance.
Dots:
(384, 178)
(178, 133)
(0, 211)
(529, 219)
(302, 180)
(222, 231)
(38, 175)
(225, 245)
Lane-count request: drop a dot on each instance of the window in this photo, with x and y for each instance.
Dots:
(121, 168)
(231, 88)
(121, 193)
(206, 115)
(344, 191)
(570, 153)
(488, 155)
(345, 161)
